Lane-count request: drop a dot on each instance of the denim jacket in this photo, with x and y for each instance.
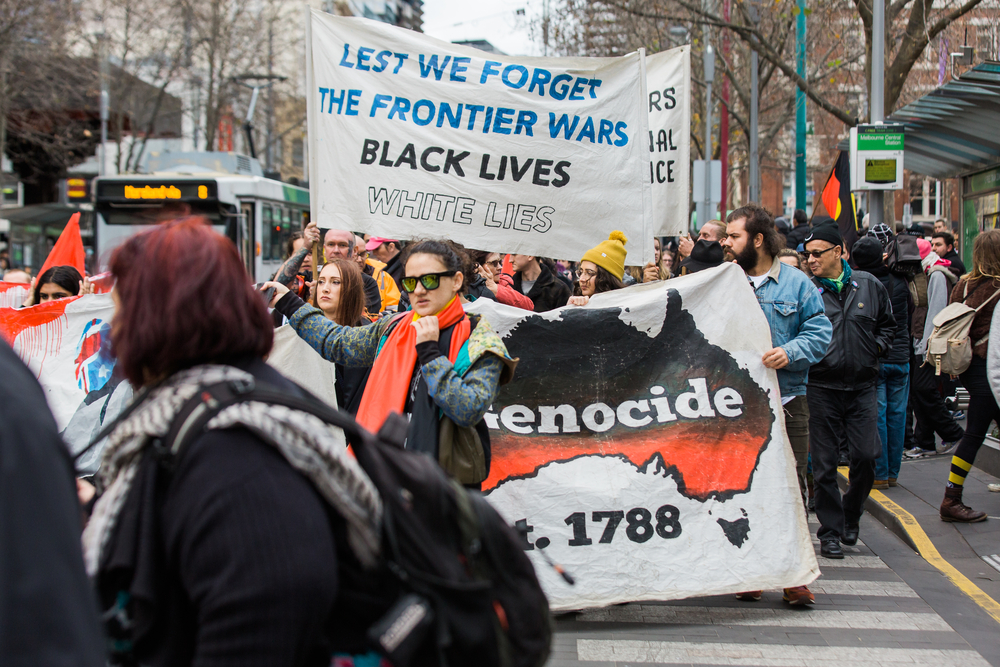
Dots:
(798, 322)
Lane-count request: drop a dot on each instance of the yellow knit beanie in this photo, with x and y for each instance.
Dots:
(610, 254)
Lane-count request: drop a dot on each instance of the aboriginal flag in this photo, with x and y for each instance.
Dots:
(839, 201)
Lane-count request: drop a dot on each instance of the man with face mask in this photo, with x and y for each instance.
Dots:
(800, 332)
(842, 386)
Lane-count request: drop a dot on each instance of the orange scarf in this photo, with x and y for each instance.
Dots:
(392, 372)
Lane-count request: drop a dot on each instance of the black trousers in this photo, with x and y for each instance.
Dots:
(929, 411)
(983, 409)
(835, 414)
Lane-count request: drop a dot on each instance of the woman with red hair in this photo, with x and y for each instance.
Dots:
(235, 552)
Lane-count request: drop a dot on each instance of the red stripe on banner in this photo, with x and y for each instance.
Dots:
(704, 465)
(13, 321)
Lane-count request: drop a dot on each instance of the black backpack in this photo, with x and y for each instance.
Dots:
(467, 593)
(903, 256)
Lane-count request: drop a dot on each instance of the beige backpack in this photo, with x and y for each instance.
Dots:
(949, 349)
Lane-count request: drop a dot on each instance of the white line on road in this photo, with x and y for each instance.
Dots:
(853, 561)
(895, 589)
(993, 561)
(618, 650)
(786, 618)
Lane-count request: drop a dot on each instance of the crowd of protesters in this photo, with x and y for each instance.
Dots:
(252, 557)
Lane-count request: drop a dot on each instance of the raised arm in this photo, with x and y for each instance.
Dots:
(286, 274)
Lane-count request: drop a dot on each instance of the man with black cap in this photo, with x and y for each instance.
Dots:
(842, 387)
(704, 255)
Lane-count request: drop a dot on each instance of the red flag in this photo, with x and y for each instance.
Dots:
(68, 250)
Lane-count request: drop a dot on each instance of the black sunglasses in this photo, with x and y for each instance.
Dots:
(430, 281)
(817, 253)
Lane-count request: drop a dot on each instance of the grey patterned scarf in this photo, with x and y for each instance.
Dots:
(309, 444)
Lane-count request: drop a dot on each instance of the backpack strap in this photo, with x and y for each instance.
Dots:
(984, 302)
(201, 408)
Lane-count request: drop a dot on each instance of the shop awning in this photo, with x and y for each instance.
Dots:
(952, 130)
(48, 215)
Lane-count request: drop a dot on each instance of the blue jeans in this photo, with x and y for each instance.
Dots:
(893, 390)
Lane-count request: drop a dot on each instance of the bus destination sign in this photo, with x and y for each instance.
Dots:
(155, 192)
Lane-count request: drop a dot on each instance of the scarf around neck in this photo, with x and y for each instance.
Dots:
(837, 284)
(392, 372)
(310, 445)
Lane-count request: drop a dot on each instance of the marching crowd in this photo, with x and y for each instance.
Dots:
(244, 549)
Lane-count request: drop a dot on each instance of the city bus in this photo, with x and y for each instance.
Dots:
(258, 214)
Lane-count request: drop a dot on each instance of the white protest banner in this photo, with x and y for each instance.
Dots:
(66, 344)
(668, 82)
(642, 445)
(12, 295)
(413, 137)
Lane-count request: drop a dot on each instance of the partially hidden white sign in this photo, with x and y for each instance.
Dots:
(413, 137)
(668, 80)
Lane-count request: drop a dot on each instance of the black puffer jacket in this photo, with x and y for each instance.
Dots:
(863, 329)
(797, 235)
(547, 293)
(899, 297)
(478, 289)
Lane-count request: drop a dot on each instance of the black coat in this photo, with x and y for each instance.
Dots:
(899, 297)
(251, 565)
(863, 329)
(478, 290)
(48, 615)
(797, 235)
(957, 265)
(547, 293)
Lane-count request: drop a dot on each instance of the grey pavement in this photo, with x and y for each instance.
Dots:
(882, 605)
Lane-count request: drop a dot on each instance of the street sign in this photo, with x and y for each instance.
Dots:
(877, 157)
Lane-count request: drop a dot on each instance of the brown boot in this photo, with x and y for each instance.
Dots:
(952, 508)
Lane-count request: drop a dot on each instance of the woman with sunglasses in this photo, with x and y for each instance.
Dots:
(489, 267)
(431, 363)
(601, 269)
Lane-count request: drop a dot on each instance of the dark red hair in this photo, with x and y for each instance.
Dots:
(184, 299)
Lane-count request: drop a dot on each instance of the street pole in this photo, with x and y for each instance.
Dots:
(754, 186)
(269, 153)
(103, 69)
(876, 104)
(800, 110)
(709, 76)
(724, 120)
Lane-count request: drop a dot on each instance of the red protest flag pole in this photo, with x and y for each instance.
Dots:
(68, 250)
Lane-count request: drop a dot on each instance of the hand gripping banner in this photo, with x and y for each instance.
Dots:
(642, 445)
(413, 137)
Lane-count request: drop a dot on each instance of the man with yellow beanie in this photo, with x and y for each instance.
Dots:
(601, 269)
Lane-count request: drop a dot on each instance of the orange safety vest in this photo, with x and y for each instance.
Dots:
(387, 287)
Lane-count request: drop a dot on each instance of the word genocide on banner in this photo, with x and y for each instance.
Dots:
(411, 137)
(642, 445)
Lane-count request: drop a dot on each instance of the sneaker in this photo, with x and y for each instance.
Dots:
(881, 484)
(812, 504)
(798, 595)
(749, 596)
(958, 415)
(916, 453)
(946, 447)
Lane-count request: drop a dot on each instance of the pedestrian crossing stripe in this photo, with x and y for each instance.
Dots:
(715, 653)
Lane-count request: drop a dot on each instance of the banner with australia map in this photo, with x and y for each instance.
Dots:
(641, 445)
